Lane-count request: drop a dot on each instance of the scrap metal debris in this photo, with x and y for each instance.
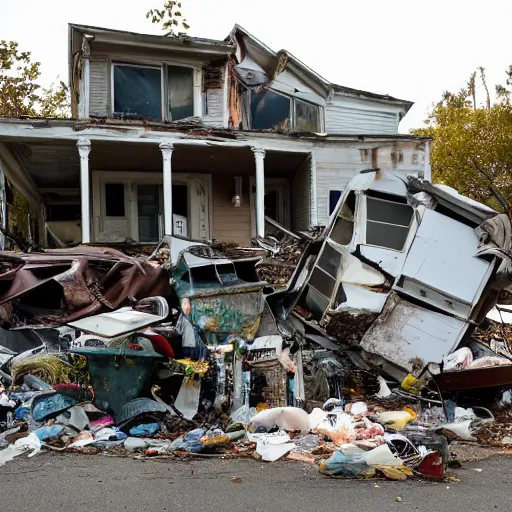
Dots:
(362, 347)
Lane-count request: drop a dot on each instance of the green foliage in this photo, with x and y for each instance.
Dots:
(170, 16)
(20, 93)
(472, 144)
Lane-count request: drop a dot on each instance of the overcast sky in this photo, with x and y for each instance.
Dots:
(409, 49)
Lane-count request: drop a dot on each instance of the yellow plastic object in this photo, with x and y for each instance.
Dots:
(216, 440)
(191, 367)
(262, 406)
(394, 420)
(411, 411)
(412, 384)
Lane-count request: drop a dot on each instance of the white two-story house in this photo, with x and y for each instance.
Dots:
(196, 137)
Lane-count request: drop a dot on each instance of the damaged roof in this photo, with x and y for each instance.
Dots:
(228, 46)
(349, 91)
(102, 34)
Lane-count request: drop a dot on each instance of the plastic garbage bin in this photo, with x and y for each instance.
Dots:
(118, 374)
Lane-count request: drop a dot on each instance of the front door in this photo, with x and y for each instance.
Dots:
(149, 214)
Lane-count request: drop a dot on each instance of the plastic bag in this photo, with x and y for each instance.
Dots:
(287, 418)
(191, 442)
(44, 433)
(215, 437)
(394, 420)
(187, 401)
(458, 360)
(272, 447)
(339, 464)
(306, 444)
(134, 443)
(145, 429)
(243, 415)
(412, 385)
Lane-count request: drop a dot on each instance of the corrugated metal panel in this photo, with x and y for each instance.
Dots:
(344, 119)
(300, 198)
(99, 104)
(230, 224)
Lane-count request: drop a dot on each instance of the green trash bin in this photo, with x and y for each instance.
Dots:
(118, 374)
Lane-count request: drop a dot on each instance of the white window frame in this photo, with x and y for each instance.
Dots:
(164, 87)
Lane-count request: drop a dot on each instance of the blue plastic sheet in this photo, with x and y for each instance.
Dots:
(145, 429)
(44, 433)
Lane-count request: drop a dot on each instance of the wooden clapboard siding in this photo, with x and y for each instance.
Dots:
(230, 224)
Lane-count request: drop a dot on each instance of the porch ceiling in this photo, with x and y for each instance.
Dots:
(55, 164)
(235, 160)
(50, 164)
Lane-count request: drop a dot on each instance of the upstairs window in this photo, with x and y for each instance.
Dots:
(138, 91)
(181, 92)
(306, 117)
(271, 110)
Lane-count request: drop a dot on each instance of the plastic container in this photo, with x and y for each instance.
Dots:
(118, 374)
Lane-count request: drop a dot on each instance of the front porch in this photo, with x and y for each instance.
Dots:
(135, 190)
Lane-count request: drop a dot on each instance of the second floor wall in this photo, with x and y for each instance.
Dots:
(234, 84)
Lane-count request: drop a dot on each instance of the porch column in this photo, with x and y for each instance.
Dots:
(166, 147)
(313, 208)
(259, 158)
(427, 171)
(84, 148)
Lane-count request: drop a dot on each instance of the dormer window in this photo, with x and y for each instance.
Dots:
(139, 91)
(271, 110)
(307, 118)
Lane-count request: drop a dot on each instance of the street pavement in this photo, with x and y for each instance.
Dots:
(54, 482)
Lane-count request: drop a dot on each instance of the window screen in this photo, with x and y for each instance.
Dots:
(114, 200)
(138, 91)
(306, 117)
(269, 110)
(387, 223)
(181, 92)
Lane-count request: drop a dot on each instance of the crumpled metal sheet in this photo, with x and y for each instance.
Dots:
(59, 286)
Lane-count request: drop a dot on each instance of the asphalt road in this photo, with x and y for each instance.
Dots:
(54, 482)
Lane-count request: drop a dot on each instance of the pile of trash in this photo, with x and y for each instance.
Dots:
(351, 348)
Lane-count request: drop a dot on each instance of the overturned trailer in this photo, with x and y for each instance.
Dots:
(399, 273)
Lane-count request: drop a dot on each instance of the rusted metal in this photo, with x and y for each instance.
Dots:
(59, 286)
(476, 378)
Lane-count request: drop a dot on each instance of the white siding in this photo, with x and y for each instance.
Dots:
(335, 167)
(99, 98)
(348, 115)
(300, 198)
